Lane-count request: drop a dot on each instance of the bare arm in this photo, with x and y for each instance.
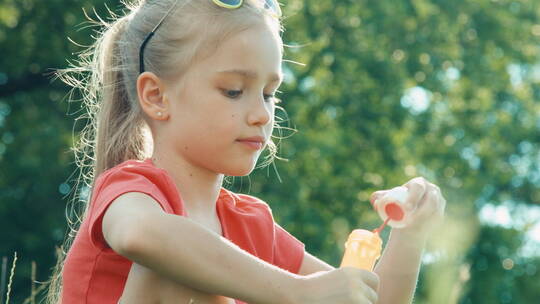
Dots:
(312, 264)
(180, 249)
(400, 263)
(398, 268)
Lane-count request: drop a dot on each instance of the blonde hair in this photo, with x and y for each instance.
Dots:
(106, 72)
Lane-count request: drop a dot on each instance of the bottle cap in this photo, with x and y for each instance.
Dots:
(394, 211)
(394, 207)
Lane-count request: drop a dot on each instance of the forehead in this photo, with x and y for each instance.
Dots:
(253, 53)
(250, 74)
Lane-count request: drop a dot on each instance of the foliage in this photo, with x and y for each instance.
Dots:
(390, 90)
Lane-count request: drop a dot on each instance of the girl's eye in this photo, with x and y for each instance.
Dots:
(232, 93)
(236, 93)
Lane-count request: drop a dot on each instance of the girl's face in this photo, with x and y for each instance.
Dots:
(223, 99)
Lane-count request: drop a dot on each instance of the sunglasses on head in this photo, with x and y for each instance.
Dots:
(271, 5)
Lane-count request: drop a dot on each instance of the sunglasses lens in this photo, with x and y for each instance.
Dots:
(228, 3)
(272, 5)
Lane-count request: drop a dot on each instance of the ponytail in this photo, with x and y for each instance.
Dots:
(116, 131)
(120, 126)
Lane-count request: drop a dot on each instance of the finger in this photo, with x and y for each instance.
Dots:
(376, 195)
(429, 205)
(417, 187)
(435, 187)
(442, 207)
(370, 279)
(370, 294)
(440, 202)
(438, 215)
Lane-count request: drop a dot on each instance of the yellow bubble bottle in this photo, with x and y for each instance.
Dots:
(362, 249)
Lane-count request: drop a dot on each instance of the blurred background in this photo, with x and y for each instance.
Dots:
(378, 92)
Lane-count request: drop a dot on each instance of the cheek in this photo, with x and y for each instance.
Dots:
(218, 127)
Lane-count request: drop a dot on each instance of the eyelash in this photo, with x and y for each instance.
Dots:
(266, 97)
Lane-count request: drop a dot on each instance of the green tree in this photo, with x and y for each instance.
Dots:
(386, 90)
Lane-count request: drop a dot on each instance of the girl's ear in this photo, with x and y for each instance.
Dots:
(150, 91)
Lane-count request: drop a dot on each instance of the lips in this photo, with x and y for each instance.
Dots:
(254, 142)
(256, 139)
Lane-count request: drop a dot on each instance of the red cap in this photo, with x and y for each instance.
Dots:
(394, 211)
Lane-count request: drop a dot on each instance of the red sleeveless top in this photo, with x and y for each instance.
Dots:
(95, 274)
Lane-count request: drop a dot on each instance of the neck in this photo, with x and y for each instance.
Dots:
(199, 187)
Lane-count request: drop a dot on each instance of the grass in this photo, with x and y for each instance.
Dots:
(3, 279)
(34, 291)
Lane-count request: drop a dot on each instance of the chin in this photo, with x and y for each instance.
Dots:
(239, 171)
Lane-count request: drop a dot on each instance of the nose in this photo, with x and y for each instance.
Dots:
(261, 112)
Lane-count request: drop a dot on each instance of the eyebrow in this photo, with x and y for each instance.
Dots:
(251, 74)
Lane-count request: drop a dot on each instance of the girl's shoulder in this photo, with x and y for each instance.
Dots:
(131, 165)
(137, 175)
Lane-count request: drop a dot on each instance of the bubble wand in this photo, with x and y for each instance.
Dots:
(363, 247)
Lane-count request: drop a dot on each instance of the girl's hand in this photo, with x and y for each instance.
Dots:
(345, 285)
(429, 202)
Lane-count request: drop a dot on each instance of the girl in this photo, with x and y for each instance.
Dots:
(183, 94)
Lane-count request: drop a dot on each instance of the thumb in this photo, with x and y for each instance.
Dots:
(376, 195)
